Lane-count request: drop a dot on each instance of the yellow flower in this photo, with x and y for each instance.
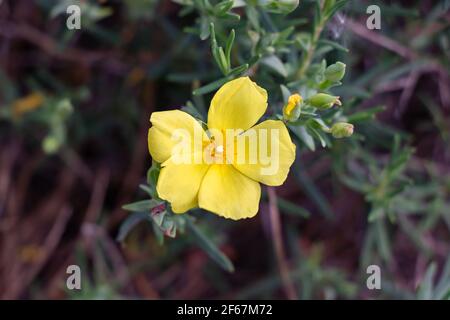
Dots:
(221, 182)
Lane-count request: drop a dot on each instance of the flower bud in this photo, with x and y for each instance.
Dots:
(64, 108)
(292, 109)
(50, 144)
(342, 130)
(335, 72)
(324, 101)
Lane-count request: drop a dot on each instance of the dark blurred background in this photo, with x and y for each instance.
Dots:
(74, 116)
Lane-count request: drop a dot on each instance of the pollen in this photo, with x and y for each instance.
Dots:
(219, 149)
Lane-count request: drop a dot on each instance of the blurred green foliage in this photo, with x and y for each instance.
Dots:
(396, 160)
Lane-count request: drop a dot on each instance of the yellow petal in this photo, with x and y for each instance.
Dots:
(238, 104)
(228, 193)
(179, 184)
(161, 139)
(269, 163)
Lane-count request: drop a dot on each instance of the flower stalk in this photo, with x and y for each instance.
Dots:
(276, 232)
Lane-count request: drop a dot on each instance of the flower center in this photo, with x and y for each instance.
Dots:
(219, 149)
(215, 151)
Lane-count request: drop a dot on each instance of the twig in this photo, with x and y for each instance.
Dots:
(444, 84)
(78, 165)
(407, 93)
(50, 244)
(380, 40)
(91, 233)
(101, 183)
(392, 45)
(46, 43)
(275, 225)
(7, 161)
(10, 30)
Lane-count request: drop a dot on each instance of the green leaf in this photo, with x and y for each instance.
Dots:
(217, 52)
(153, 173)
(152, 178)
(169, 228)
(253, 17)
(318, 123)
(146, 188)
(442, 290)
(426, 287)
(383, 240)
(312, 190)
(158, 234)
(238, 70)
(144, 205)
(333, 44)
(285, 92)
(158, 217)
(376, 213)
(280, 7)
(292, 208)
(192, 110)
(319, 136)
(304, 136)
(275, 64)
(209, 247)
(223, 7)
(130, 222)
(365, 115)
(231, 16)
(204, 28)
(337, 6)
(224, 66)
(229, 46)
(211, 86)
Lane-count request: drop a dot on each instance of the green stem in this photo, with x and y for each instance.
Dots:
(308, 56)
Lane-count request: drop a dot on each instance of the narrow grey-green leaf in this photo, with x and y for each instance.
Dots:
(304, 136)
(209, 247)
(285, 92)
(130, 222)
(275, 64)
(426, 287)
(144, 205)
(333, 44)
(292, 208)
(211, 86)
(146, 188)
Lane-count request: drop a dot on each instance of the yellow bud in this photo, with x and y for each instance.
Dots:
(27, 104)
(291, 110)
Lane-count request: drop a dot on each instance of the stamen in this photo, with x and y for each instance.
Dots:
(219, 149)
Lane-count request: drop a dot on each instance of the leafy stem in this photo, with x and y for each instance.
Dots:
(309, 55)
